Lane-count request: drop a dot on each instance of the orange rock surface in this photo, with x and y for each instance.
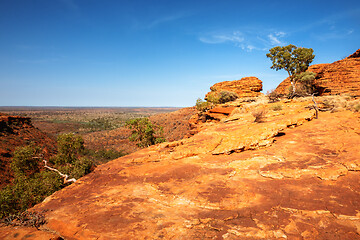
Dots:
(340, 77)
(289, 177)
(245, 87)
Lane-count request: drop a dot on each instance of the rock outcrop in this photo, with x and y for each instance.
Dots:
(295, 183)
(245, 87)
(340, 77)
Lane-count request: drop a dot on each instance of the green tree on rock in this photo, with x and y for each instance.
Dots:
(293, 59)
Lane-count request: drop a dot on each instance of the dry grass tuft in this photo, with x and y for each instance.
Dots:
(259, 115)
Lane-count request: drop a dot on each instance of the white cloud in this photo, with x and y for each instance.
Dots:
(246, 40)
(234, 37)
(169, 18)
(275, 38)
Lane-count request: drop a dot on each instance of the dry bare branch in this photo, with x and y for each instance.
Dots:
(65, 176)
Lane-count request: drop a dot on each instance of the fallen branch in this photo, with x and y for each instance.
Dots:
(65, 176)
(315, 107)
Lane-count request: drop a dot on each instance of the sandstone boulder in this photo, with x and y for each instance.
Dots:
(245, 87)
(340, 77)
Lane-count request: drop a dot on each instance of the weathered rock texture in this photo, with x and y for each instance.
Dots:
(340, 77)
(299, 181)
(245, 87)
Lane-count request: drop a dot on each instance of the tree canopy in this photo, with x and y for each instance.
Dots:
(144, 132)
(292, 59)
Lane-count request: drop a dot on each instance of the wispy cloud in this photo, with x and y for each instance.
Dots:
(247, 40)
(235, 37)
(275, 38)
(168, 18)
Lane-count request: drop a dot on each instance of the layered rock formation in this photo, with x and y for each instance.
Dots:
(245, 87)
(340, 77)
(295, 183)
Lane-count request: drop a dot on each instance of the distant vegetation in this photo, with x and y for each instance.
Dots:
(33, 183)
(81, 120)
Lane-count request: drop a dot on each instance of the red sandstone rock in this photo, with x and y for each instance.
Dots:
(340, 77)
(245, 87)
(219, 113)
(295, 183)
(20, 233)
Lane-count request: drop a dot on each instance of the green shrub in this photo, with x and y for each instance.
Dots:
(305, 85)
(30, 186)
(144, 132)
(70, 147)
(79, 168)
(227, 96)
(201, 105)
(213, 98)
(25, 192)
(26, 160)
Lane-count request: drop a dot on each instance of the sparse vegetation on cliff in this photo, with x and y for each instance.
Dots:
(202, 106)
(33, 183)
(227, 96)
(215, 98)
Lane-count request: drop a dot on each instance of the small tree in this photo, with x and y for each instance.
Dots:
(202, 106)
(144, 132)
(70, 146)
(26, 161)
(306, 82)
(293, 59)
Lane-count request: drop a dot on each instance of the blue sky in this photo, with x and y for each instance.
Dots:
(157, 52)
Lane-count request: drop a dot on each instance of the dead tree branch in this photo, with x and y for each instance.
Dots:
(315, 107)
(65, 176)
